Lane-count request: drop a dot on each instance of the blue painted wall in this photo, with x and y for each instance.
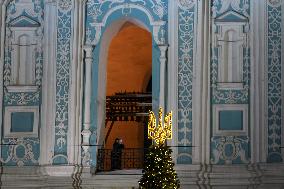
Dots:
(225, 149)
(22, 150)
(274, 76)
(63, 74)
(186, 41)
(229, 148)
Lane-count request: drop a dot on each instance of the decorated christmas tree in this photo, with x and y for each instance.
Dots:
(158, 169)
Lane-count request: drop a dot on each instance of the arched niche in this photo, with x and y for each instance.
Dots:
(106, 40)
(99, 33)
(101, 79)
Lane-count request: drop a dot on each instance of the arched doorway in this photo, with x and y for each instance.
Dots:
(129, 66)
(124, 71)
(104, 24)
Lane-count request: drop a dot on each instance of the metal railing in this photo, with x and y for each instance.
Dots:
(129, 158)
(128, 106)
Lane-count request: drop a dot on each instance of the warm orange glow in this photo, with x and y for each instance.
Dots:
(129, 60)
(129, 69)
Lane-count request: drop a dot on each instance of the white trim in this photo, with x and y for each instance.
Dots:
(19, 74)
(172, 98)
(207, 97)
(2, 40)
(8, 125)
(73, 77)
(2, 55)
(205, 113)
(32, 23)
(233, 85)
(265, 85)
(59, 171)
(47, 133)
(282, 75)
(76, 84)
(133, 6)
(163, 62)
(86, 132)
(156, 24)
(231, 12)
(227, 107)
(80, 84)
(24, 88)
(196, 82)
(17, 28)
(256, 105)
(219, 42)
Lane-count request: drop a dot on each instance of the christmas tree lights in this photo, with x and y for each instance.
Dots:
(158, 172)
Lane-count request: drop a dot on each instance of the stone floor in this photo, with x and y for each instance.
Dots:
(261, 176)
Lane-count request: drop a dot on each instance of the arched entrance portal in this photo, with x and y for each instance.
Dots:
(127, 61)
(99, 35)
(129, 68)
(108, 83)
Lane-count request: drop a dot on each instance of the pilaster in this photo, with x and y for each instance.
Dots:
(163, 65)
(86, 133)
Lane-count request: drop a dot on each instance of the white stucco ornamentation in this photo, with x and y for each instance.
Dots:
(275, 3)
(230, 38)
(20, 159)
(157, 5)
(228, 149)
(23, 52)
(99, 17)
(64, 88)
(186, 4)
(220, 6)
(274, 78)
(63, 73)
(65, 4)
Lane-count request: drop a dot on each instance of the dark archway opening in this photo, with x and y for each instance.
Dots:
(128, 96)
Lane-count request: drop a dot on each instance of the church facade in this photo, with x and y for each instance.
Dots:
(217, 64)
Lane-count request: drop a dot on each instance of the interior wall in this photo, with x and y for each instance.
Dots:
(129, 60)
(130, 49)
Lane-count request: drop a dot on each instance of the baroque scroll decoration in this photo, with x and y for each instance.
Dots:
(98, 11)
(15, 10)
(22, 99)
(230, 96)
(22, 151)
(97, 7)
(186, 4)
(63, 67)
(274, 3)
(186, 23)
(228, 149)
(220, 6)
(274, 67)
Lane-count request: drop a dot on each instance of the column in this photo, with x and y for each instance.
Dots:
(86, 133)
(48, 108)
(163, 60)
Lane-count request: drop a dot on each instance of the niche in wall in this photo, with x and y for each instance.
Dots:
(230, 38)
(24, 46)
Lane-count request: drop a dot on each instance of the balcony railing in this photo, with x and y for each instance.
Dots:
(129, 158)
(128, 106)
